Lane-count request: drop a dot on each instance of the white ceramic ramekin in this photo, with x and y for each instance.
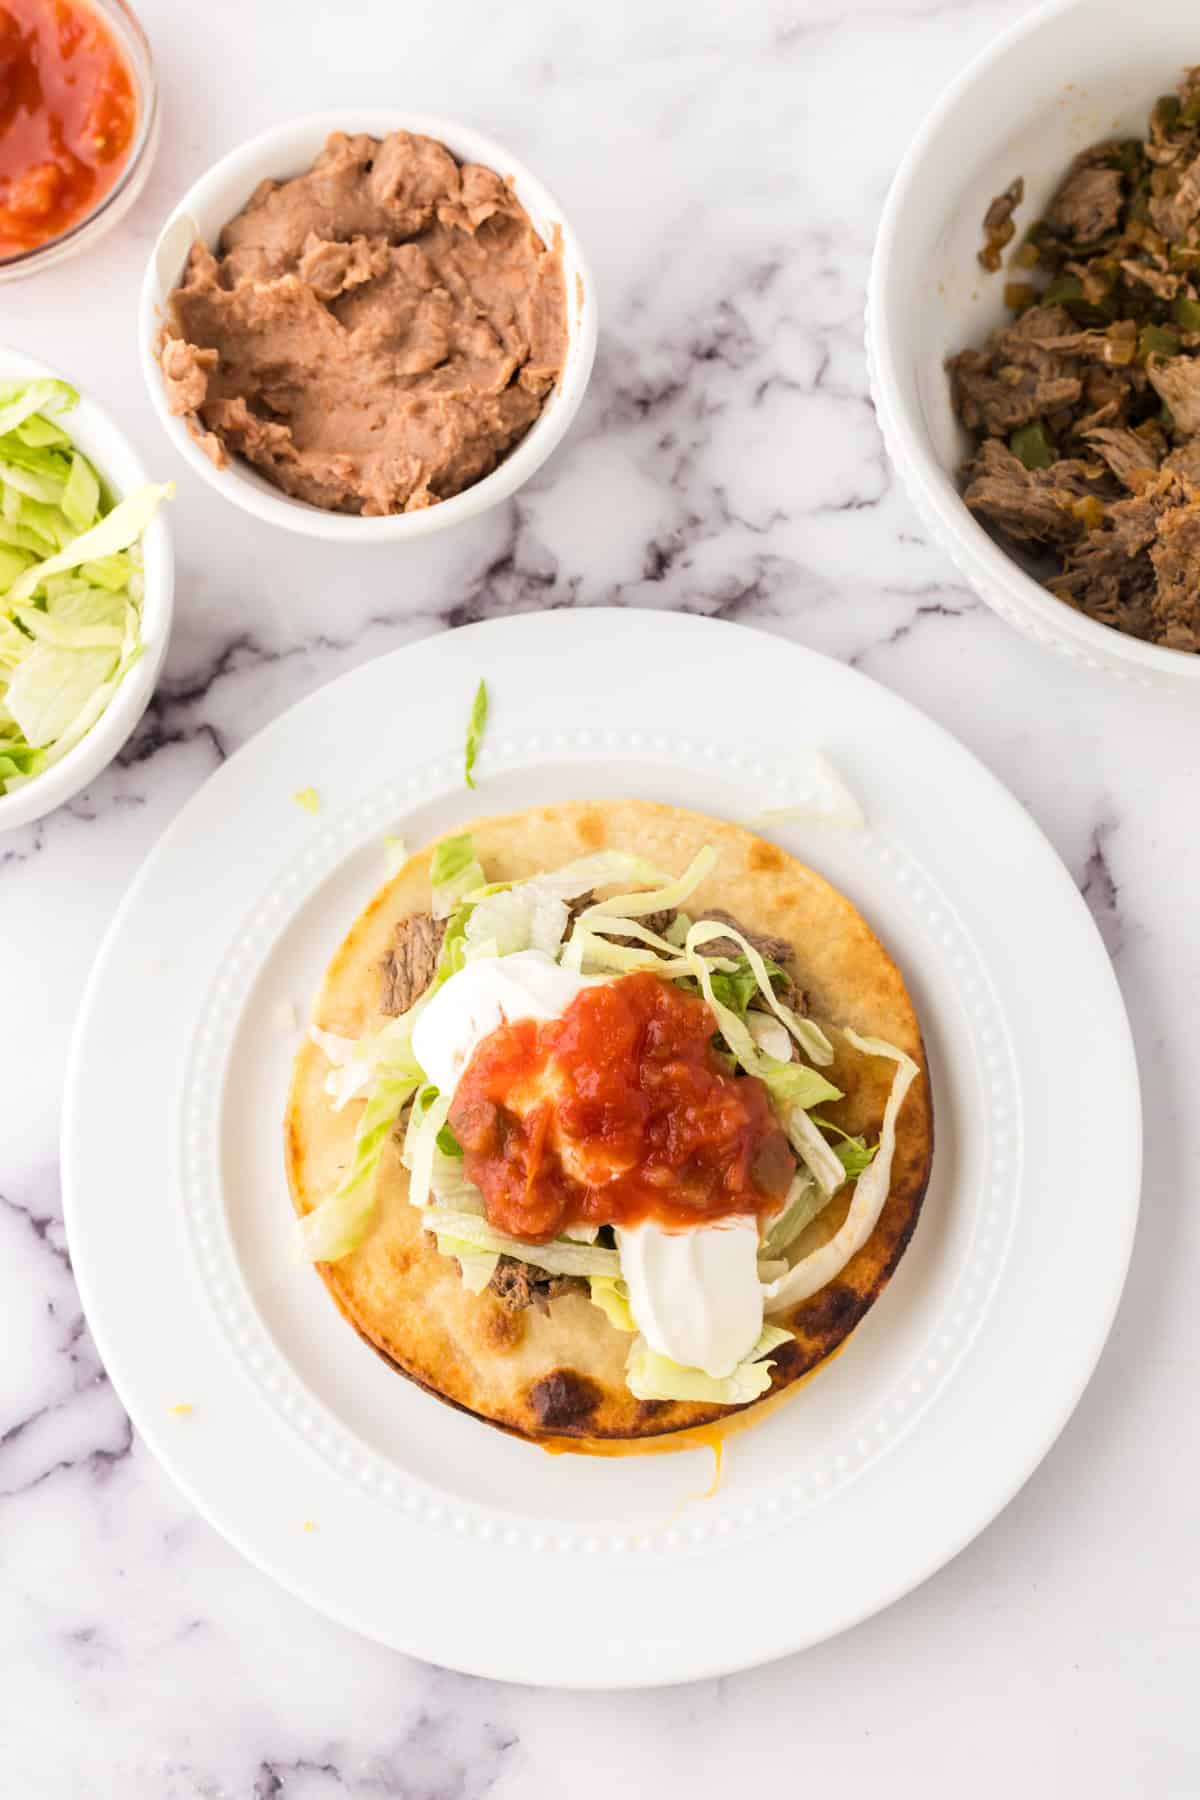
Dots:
(1071, 73)
(121, 468)
(289, 150)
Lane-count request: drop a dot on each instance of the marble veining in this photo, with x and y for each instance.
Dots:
(725, 168)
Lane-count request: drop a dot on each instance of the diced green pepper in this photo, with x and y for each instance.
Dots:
(1063, 287)
(1186, 312)
(1157, 340)
(1032, 446)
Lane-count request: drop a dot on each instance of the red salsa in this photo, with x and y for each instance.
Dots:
(68, 113)
(620, 1111)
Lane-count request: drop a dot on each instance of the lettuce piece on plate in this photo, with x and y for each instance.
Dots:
(475, 725)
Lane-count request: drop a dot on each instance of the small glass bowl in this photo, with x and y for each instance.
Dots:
(132, 40)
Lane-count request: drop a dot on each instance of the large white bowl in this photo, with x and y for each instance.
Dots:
(121, 468)
(1069, 74)
(288, 150)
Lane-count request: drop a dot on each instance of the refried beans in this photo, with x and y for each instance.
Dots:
(373, 336)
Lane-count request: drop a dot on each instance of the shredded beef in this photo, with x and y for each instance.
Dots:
(1130, 457)
(409, 966)
(1085, 408)
(998, 227)
(1178, 383)
(518, 1284)
(1176, 558)
(1086, 205)
(775, 949)
(1031, 505)
(1174, 214)
(655, 921)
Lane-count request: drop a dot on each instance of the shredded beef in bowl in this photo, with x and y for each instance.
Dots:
(1085, 409)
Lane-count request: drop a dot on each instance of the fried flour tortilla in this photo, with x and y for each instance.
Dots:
(559, 1373)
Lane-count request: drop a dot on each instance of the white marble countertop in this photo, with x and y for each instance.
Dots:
(725, 167)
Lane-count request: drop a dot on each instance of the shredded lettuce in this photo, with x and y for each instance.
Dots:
(429, 1114)
(70, 583)
(812, 1272)
(19, 400)
(854, 1153)
(651, 1376)
(804, 1201)
(339, 1224)
(768, 1034)
(671, 893)
(475, 725)
(119, 529)
(533, 914)
(451, 1185)
(561, 1257)
(795, 1084)
(621, 914)
(350, 1072)
(525, 917)
(395, 854)
(477, 1266)
(454, 872)
(810, 1037)
(611, 1295)
(448, 1144)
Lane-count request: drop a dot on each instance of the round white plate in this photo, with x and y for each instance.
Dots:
(406, 1519)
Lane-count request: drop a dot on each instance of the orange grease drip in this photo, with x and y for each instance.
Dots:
(618, 1112)
(68, 112)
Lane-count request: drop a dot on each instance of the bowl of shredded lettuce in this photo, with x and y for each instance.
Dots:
(86, 586)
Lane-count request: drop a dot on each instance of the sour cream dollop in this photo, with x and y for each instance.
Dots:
(695, 1295)
(482, 996)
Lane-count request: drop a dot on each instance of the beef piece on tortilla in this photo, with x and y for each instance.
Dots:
(775, 949)
(658, 922)
(518, 1284)
(409, 966)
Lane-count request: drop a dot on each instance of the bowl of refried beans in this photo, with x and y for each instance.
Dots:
(367, 326)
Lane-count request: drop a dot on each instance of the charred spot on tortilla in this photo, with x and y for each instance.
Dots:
(564, 1400)
(555, 1367)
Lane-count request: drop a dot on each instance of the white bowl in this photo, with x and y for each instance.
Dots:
(122, 471)
(288, 150)
(1069, 74)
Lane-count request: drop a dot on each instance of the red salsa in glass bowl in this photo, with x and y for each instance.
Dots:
(77, 124)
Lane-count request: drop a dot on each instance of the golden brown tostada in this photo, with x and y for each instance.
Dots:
(559, 1371)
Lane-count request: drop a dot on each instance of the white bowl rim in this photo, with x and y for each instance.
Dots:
(105, 444)
(268, 153)
(969, 544)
